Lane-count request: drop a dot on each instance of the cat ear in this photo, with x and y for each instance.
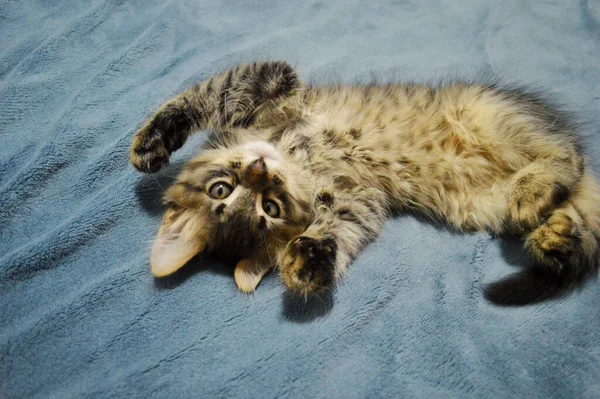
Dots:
(177, 242)
(248, 274)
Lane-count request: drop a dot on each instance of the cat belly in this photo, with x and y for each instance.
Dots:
(463, 185)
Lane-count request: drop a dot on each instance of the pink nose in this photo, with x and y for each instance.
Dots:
(258, 166)
(257, 172)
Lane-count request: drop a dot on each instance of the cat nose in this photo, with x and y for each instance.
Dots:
(258, 166)
(256, 173)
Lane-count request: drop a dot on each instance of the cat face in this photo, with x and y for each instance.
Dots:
(247, 201)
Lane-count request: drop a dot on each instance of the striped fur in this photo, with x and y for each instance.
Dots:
(337, 160)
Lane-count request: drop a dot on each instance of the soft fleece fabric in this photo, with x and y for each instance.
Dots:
(81, 315)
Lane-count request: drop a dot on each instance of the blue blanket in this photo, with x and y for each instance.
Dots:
(81, 315)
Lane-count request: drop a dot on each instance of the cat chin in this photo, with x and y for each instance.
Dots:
(262, 149)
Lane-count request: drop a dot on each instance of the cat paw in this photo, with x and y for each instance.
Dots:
(148, 153)
(553, 243)
(531, 200)
(308, 265)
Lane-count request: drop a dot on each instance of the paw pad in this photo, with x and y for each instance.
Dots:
(309, 264)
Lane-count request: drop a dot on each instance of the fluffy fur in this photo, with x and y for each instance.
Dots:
(337, 160)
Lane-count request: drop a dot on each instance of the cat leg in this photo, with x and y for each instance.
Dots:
(538, 188)
(565, 249)
(569, 238)
(234, 98)
(343, 225)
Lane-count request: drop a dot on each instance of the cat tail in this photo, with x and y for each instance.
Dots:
(566, 250)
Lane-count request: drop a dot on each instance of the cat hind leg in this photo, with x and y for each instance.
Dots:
(537, 189)
(565, 249)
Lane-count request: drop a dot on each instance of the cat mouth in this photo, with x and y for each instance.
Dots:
(260, 149)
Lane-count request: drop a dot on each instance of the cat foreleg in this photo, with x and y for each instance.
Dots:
(316, 259)
(231, 99)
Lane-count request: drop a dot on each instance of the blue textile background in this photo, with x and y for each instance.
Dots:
(81, 315)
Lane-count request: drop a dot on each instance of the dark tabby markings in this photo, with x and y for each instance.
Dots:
(581, 165)
(349, 216)
(375, 210)
(230, 99)
(220, 209)
(262, 223)
(235, 164)
(214, 174)
(277, 135)
(279, 72)
(302, 143)
(343, 182)
(149, 143)
(224, 93)
(330, 137)
(276, 180)
(523, 180)
(170, 203)
(325, 198)
(355, 133)
(237, 228)
(189, 186)
(560, 194)
(286, 201)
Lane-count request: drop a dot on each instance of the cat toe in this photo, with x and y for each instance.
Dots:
(308, 265)
(148, 155)
(531, 201)
(553, 243)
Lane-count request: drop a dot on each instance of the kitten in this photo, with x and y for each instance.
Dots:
(301, 178)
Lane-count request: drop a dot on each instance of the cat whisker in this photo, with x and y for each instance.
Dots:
(271, 262)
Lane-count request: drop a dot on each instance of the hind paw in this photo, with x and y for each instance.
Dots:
(553, 243)
(532, 198)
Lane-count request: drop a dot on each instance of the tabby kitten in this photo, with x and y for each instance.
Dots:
(301, 178)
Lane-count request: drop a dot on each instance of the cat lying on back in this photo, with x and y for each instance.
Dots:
(301, 178)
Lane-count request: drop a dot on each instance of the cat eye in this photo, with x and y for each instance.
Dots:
(220, 190)
(271, 208)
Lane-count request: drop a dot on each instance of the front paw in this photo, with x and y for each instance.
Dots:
(308, 265)
(148, 153)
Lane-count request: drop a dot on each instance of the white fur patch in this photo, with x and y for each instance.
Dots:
(175, 245)
(262, 149)
(247, 277)
(170, 253)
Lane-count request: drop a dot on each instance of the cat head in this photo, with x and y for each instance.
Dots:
(245, 201)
